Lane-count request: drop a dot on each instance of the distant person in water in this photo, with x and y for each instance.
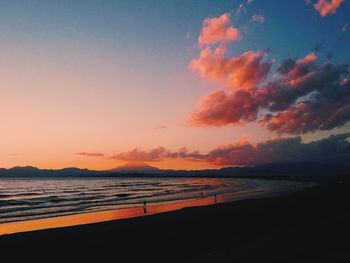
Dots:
(144, 206)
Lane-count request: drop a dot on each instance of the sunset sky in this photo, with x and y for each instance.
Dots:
(177, 84)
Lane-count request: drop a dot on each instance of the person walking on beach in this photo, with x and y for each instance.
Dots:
(144, 207)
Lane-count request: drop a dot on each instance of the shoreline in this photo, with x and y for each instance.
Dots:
(84, 218)
(310, 226)
(306, 226)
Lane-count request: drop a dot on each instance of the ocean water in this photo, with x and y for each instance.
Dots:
(27, 199)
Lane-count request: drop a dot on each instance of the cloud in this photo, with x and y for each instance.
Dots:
(335, 149)
(241, 8)
(216, 30)
(258, 18)
(299, 96)
(327, 7)
(243, 71)
(90, 154)
(160, 127)
(221, 108)
(308, 97)
(153, 155)
(303, 96)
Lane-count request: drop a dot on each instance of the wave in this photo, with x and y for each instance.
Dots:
(32, 199)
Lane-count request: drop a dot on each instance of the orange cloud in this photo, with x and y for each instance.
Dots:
(217, 29)
(90, 154)
(238, 72)
(327, 7)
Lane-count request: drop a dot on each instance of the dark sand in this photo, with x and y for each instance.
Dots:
(309, 226)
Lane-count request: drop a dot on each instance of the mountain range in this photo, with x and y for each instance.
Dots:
(287, 169)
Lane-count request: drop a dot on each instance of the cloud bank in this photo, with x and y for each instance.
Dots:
(335, 149)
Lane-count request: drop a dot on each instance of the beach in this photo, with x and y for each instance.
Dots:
(308, 226)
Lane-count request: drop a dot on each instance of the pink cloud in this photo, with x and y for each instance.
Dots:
(327, 7)
(160, 127)
(90, 154)
(154, 155)
(221, 108)
(258, 18)
(216, 30)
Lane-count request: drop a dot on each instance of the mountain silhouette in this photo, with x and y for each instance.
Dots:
(138, 167)
(282, 170)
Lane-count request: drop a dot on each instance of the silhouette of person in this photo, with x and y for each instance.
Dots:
(202, 194)
(215, 197)
(144, 207)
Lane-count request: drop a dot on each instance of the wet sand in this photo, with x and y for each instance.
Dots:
(309, 226)
(137, 210)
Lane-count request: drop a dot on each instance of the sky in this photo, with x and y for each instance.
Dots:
(178, 84)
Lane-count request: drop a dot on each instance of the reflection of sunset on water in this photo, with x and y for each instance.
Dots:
(88, 218)
(136, 211)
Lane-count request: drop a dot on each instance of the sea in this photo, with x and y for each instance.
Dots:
(28, 199)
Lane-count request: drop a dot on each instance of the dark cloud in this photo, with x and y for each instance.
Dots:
(335, 149)
(286, 65)
(318, 99)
